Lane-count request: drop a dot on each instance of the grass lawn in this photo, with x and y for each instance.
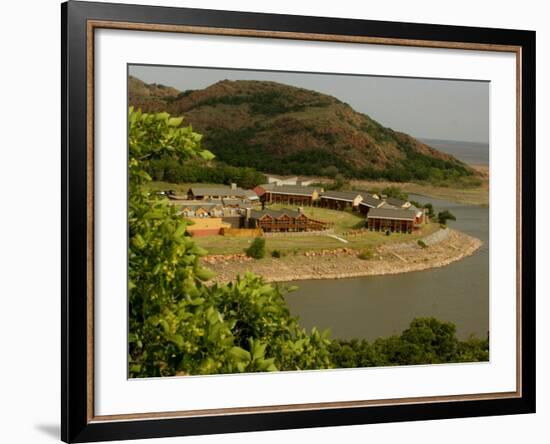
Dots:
(290, 244)
(342, 220)
(373, 238)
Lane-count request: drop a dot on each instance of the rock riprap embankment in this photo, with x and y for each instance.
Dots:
(441, 248)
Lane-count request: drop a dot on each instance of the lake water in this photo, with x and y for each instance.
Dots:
(375, 306)
(469, 152)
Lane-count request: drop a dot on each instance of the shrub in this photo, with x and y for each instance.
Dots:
(426, 341)
(276, 253)
(395, 192)
(177, 324)
(256, 249)
(366, 254)
(430, 208)
(422, 244)
(171, 169)
(444, 216)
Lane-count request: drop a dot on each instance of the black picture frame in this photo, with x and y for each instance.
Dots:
(76, 423)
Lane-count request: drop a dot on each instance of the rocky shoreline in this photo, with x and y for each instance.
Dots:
(441, 248)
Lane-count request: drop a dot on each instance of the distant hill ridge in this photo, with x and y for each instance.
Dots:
(288, 130)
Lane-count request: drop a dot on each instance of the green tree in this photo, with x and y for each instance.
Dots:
(431, 341)
(256, 249)
(330, 171)
(177, 324)
(430, 208)
(444, 216)
(395, 192)
(426, 341)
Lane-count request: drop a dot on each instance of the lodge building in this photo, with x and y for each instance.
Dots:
(397, 203)
(340, 200)
(288, 194)
(360, 201)
(391, 219)
(285, 220)
(220, 192)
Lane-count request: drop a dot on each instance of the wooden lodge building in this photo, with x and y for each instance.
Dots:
(340, 200)
(400, 220)
(398, 203)
(360, 201)
(271, 221)
(220, 192)
(288, 194)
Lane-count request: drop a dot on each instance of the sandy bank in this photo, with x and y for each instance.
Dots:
(443, 248)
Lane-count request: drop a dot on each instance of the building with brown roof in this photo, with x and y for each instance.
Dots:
(391, 219)
(355, 200)
(221, 192)
(284, 220)
(288, 194)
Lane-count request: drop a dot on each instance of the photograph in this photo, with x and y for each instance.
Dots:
(305, 221)
(275, 221)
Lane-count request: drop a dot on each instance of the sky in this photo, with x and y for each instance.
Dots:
(455, 110)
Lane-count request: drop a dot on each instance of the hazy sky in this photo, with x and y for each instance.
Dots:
(437, 109)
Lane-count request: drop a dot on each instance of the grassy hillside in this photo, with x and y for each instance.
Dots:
(287, 130)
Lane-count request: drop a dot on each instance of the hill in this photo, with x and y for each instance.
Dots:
(282, 129)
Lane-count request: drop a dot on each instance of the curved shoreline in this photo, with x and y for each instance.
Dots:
(443, 248)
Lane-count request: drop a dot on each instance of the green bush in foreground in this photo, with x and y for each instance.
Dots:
(422, 244)
(256, 249)
(177, 324)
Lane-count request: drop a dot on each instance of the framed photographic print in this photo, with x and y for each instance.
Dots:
(276, 221)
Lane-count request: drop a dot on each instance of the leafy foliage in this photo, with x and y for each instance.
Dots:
(366, 254)
(395, 192)
(426, 341)
(177, 324)
(239, 147)
(268, 103)
(172, 169)
(444, 216)
(430, 208)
